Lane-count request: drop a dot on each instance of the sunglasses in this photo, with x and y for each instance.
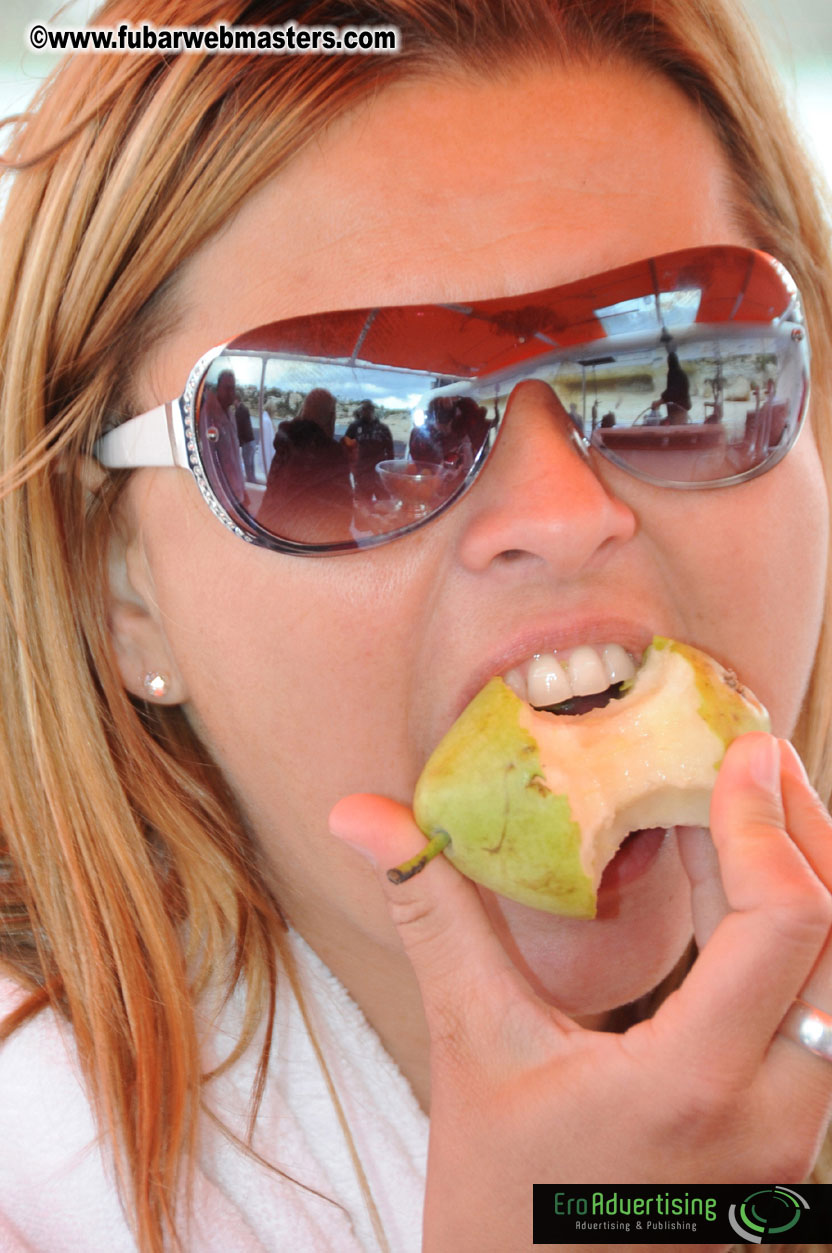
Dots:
(339, 431)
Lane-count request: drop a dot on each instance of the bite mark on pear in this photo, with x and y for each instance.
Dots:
(534, 805)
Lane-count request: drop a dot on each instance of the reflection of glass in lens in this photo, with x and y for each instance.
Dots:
(414, 484)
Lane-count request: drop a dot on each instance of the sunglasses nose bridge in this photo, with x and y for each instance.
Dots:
(539, 495)
(535, 415)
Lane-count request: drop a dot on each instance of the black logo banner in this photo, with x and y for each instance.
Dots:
(689, 1214)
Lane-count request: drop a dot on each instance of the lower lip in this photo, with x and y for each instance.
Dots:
(633, 859)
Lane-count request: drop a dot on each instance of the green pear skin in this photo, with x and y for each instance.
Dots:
(534, 805)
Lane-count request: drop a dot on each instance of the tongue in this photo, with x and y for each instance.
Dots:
(632, 856)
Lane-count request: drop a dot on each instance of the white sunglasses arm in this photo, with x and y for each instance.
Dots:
(155, 438)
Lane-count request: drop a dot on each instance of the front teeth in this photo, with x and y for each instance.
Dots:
(549, 678)
(586, 671)
(546, 681)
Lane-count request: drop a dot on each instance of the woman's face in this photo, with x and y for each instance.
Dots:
(311, 679)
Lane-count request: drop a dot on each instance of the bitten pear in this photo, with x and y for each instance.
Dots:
(534, 804)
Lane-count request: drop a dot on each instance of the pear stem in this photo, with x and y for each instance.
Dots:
(439, 842)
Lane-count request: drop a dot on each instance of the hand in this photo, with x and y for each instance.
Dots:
(704, 1092)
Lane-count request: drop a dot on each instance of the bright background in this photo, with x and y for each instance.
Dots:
(797, 32)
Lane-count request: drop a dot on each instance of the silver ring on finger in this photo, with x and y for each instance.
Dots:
(809, 1026)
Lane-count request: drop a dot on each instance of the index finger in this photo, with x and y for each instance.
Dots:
(701, 863)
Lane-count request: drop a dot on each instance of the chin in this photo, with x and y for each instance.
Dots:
(591, 967)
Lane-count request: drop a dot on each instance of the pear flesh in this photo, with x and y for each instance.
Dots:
(534, 805)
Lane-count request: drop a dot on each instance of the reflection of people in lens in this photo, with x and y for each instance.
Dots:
(471, 422)
(367, 441)
(245, 434)
(318, 408)
(454, 432)
(308, 484)
(676, 394)
(218, 436)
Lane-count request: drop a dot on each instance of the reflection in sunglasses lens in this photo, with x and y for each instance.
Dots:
(326, 463)
(344, 428)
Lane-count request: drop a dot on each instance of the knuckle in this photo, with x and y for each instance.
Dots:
(428, 942)
(450, 1043)
(702, 1111)
(410, 913)
(791, 1158)
(804, 918)
(795, 1167)
(722, 1122)
(456, 1044)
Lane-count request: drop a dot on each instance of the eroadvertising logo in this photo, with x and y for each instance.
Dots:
(717, 1214)
(767, 1214)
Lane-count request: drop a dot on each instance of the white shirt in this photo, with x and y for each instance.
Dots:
(56, 1184)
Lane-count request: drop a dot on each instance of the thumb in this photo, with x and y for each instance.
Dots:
(748, 822)
(455, 953)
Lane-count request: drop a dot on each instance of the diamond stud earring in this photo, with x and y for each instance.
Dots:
(156, 686)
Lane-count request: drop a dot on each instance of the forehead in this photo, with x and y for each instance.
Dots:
(444, 189)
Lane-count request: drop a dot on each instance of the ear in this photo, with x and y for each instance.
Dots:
(140, 646)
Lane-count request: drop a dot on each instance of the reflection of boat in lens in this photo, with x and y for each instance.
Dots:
(414, 483)
(642, 438)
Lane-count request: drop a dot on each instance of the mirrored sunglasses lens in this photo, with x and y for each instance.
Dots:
(342, 429)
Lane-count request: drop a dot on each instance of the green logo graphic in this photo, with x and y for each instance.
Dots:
(768, 1212)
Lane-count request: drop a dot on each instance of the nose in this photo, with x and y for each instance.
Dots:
(538, 498)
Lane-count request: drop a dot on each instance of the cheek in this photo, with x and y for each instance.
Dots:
(298, 672)
(749, 565)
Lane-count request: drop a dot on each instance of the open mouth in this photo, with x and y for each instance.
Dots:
(573, 682)
(543, 808)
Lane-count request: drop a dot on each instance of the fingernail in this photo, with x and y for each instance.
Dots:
(343, 828)
(347, 839)
(765, 764)
(357, 848)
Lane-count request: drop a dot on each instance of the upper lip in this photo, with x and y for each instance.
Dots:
(543, 637)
